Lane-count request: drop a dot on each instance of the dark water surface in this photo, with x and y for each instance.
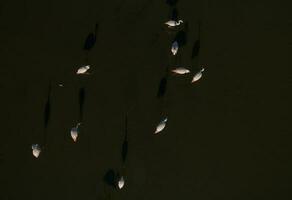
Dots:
(227, 137)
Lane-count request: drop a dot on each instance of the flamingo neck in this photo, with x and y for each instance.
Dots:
(179, 21)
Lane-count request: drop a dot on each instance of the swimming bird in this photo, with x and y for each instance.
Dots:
(161, 126)
(172, 23)
(198, 75)
(36, 150)
(74, 132)
(180, 70)
(121, 182)
(174, 48)
(91, 39)
(83, 69)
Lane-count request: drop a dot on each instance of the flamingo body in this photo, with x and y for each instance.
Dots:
(181, 70)
(160, 126)
(198, 75)
(36, 150)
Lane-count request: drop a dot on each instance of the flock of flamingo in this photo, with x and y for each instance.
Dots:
(89, 43)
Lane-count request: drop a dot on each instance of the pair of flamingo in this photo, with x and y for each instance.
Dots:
(172, 24)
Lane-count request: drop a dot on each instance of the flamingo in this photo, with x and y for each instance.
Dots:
(161, 126)
(36, 150)
(180, 70)
(74, 132)
(173, 23)
(174, 48)
(83, 70)
(121, 182)
(198, 75)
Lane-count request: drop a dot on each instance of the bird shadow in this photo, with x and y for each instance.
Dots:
(47, 110)
(81, 102)
(174, 14)
(110, 178)
(196, 46)
(91, 39)
(181, 38)
(196, 49)
(125, 143)
(162, 87)
(171, 2)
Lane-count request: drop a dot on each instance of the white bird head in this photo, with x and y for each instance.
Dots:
(179, 21)
(121, 182)
(164, 120)
(36, 150)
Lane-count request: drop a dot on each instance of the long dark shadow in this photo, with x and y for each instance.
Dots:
(47, 115)
(171, 2)
(81, 103)
(162, 87)
(91, 39)
(181, 38)
(174, 14)
(125, 143)
(163, 84)
(110, 178)
(47, 110)
(197, 44)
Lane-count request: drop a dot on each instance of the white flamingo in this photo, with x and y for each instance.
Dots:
(198, 75)
(161, 126)
(36, 150)
(74, 132)
(173, 23)
(174, 48)
(83, 69)
(180, 70)
(121, 182)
